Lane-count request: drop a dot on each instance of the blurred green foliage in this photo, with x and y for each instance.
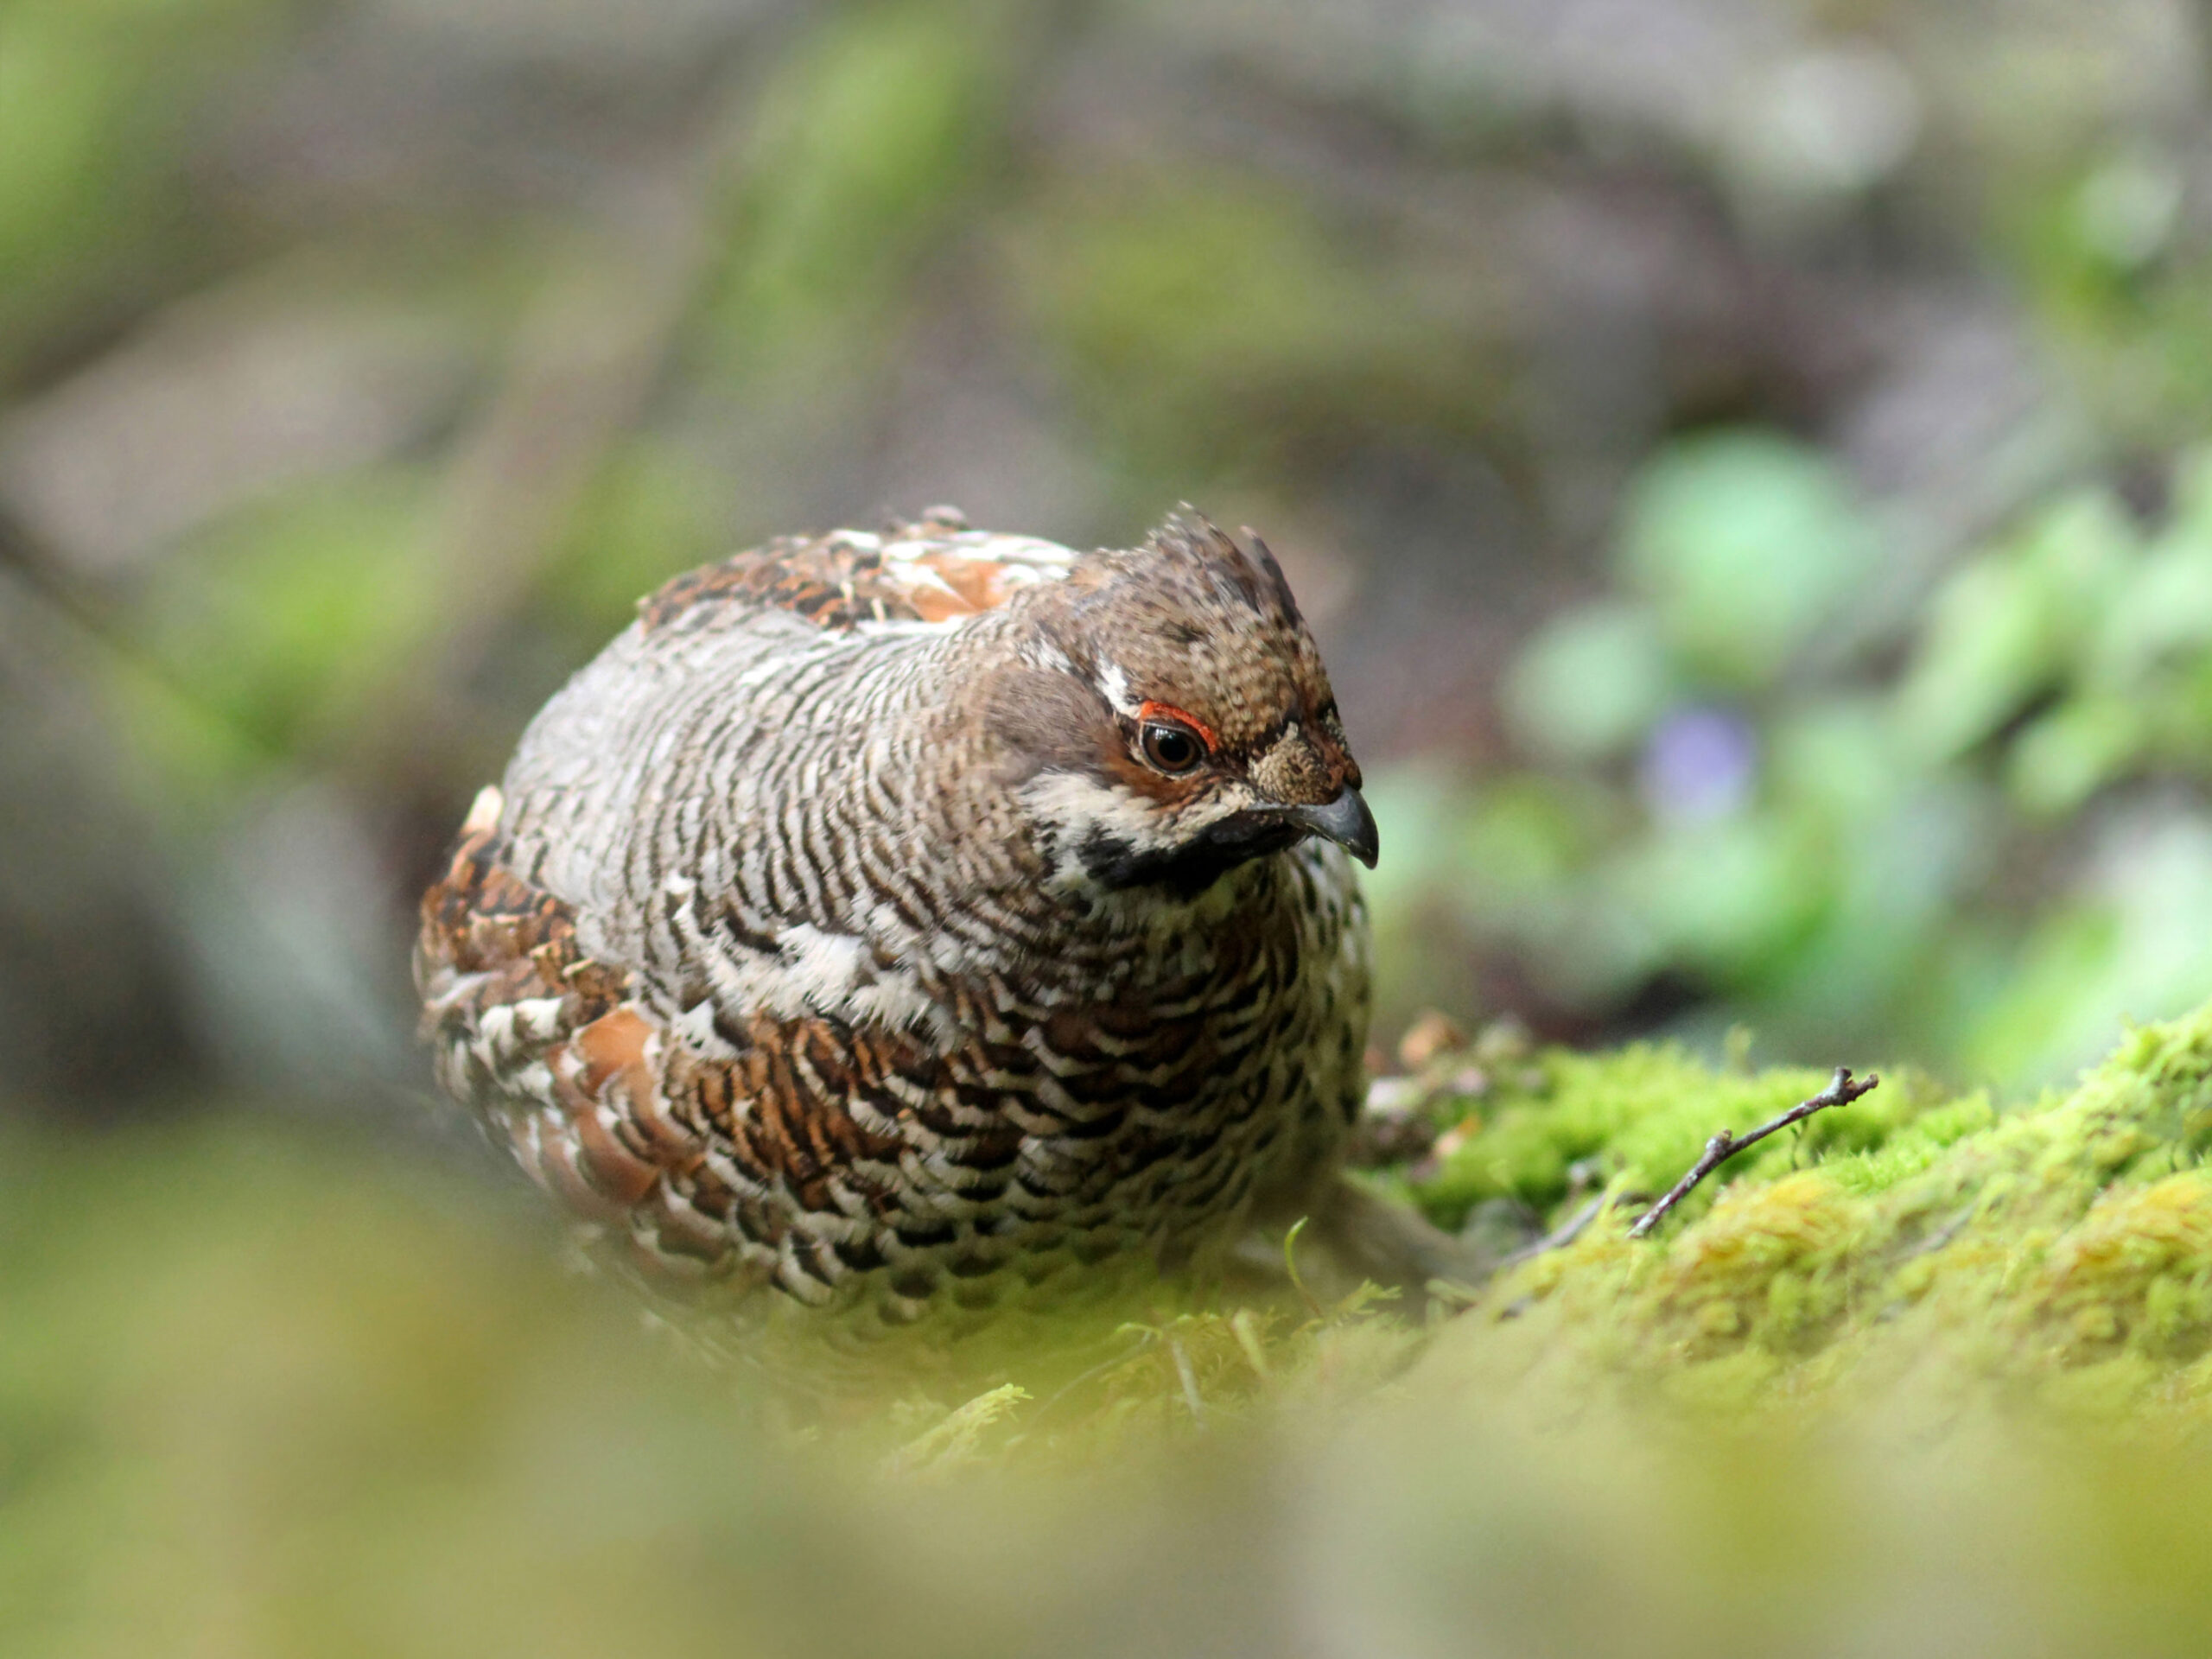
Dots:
(1224, 327)
(267, 606)
(1875, 721)
(96, 99)
(1844, 820)
(864, 141)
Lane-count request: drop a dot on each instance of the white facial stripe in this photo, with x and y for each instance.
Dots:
(1079, 805)
(1114, 686)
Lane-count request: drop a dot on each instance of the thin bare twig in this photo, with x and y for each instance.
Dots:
(1842, 1090)
(1563, 1235)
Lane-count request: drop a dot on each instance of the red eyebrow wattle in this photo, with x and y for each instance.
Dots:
(1150, 710)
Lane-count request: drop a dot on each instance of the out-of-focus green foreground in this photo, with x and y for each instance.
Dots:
(1932, 1378)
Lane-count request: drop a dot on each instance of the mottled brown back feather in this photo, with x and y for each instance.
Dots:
(763, 966)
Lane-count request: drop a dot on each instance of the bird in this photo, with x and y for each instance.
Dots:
(924, 919)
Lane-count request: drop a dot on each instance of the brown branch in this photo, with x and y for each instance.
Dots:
(1842, 1090)
(1566, 1233)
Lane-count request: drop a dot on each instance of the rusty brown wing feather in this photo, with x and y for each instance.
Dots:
(931, 571)
(629, 1126)
(541, 1038)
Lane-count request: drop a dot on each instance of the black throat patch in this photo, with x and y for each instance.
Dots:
(1188, 870)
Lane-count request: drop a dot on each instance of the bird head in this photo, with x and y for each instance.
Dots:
(1170, 719)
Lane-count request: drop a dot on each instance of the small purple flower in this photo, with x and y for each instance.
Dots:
(1698, 765)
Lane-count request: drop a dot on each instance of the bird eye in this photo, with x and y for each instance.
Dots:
(1169, 748)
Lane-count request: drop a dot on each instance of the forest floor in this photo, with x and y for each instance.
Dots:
(1922, 1371)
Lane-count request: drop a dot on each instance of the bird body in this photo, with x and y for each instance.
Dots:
(931, 919)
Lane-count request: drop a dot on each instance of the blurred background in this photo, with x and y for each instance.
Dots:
(1741, 459)
(1745, 461)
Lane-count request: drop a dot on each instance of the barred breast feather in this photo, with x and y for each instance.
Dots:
(831, 933)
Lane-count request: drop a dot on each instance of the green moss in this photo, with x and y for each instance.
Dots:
(2062, 1250)
(1643, 1114)
(1913, 1246)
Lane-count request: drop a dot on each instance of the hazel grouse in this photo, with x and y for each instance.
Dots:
(925, 919)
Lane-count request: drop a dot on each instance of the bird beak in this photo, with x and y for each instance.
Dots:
(1345, 821)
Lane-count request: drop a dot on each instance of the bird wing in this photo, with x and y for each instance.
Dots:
(703, 1162)
(934, 570)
